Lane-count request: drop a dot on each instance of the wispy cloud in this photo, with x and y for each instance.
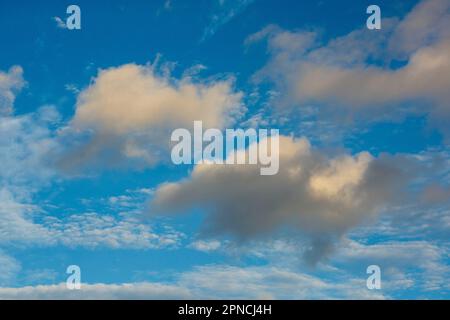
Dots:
(60, 23)
(224, 12)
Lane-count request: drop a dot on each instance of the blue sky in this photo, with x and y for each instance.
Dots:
(86, 178)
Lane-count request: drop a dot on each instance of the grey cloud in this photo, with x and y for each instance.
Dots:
(320, 196)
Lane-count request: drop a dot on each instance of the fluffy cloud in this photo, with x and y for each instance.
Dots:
(339, 75)
(10, 83)
(129, 112)
(323, 197)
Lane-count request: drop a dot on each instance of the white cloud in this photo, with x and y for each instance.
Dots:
(206, 246)
(128, 113)
(16, 222)
(96, 291)
(92, 230)
(426, 24)
(231, 282)
(223, 13)
(417, 263)
(60, 23)
(11, 83)
(211, 282)
(338, 77)
(25, 145)
(10, 268)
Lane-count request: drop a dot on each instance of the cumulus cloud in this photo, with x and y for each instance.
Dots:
(356, 74)
(11, 83)
(128, 113)
(321, 196)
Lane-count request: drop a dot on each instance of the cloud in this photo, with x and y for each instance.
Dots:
(130, 291)
(16, 221)
(436, 193)
(60, 23)
(25, 144)
(206, 246)
(11, 83)
(425, 214)
(407, 253)
(407, 266)
(23, 223)
(10, 268)
(211, 282)
(426, 24)
(267, 282)
(344, 278)
(127, 114)
(420, 263)
(92, 230)
(224, 12)
(323, 197)
(355, 74)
